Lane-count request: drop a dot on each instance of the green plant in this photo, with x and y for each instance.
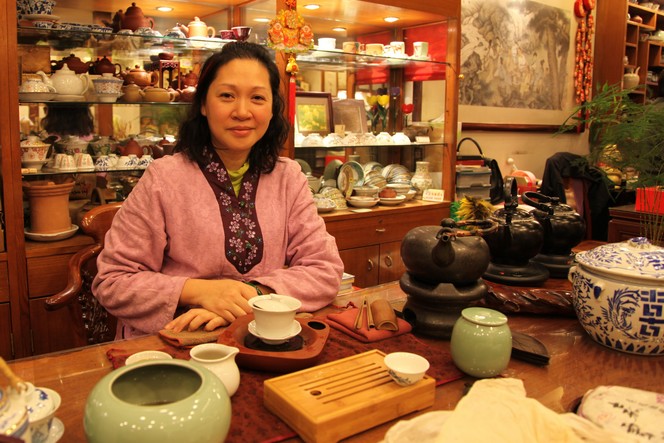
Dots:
(629, 137)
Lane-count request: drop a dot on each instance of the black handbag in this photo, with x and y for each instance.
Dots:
(496, 193)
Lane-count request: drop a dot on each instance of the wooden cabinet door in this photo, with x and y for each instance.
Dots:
(5, 332)
(391, 266)
(51, 330)
(363, 263)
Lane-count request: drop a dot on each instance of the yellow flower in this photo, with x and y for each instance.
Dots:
(372, 100)
(384, 100)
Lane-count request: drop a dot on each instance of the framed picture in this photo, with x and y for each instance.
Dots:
(313, 113)
(351, 114)
(514, 79)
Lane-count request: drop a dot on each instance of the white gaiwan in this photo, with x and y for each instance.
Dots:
(618, 291)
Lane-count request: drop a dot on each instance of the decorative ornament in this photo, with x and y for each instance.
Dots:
(289, 32)
(583, 66)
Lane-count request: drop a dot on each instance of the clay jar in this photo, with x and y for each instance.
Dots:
(49, 206)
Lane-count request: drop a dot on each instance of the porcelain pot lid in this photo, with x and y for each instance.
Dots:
(634, 258)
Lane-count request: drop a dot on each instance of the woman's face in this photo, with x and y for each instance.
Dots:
(238, 107)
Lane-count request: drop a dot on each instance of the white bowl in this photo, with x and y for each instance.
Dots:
(366, 191)
(147, 355)
(363, 202)
(406, 368)
(402, 189)
(616, 288)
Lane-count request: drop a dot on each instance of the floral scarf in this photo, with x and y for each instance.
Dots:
(244, 239)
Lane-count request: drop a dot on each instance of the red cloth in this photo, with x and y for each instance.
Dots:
(345, 322)
(251, 421)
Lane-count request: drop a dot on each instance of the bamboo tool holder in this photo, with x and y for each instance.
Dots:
(329, 402)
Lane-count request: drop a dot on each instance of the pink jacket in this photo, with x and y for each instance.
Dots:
(169, 230)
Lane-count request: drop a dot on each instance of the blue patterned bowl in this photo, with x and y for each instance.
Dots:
(619, 295)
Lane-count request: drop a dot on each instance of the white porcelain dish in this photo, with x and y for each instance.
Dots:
(392, 201)
(147, 355)
(68, 98)
(363, 202)
(35, 236)
(36, 96)
(296, 329)
(351, 174)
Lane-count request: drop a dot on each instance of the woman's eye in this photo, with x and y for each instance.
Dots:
(226, 95)
(259, 97)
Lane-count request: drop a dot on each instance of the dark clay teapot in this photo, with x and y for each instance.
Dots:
(447, 254)
(140, 77)
(519, 236)
(74, 63)
(563, 227)
(133, 18)
(105, 66)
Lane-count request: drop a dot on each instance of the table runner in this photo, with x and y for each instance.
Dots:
(251, 421)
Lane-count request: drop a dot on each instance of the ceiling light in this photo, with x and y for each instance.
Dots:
(339, 29)
(391, 19)
(164, 8)
(311, 7)
(262, 20)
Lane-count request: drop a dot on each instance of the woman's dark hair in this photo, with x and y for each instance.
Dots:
(194, 133)
(65, 119)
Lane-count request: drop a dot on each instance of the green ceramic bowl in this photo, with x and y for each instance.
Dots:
(158, 401)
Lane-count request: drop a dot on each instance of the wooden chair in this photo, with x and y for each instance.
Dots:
(91, 322)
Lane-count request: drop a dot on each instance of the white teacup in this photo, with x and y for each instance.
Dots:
(145, 161)
(398, 48)
(327, 43)
(420, 49)
(127, 162)
(374, 49)
(84, 162)
(102, 163)
(351, 47)
(65, 162)
(274, 314)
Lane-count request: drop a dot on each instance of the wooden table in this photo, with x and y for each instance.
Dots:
(577, 365)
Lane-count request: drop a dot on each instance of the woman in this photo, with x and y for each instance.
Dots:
(222, 220)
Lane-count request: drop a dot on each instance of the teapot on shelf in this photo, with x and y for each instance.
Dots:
(132, 19)
(74, 63)
(35, 85)
(132, 147)
(140, 77)
(66, 82)
(197, 28)
(105, 66)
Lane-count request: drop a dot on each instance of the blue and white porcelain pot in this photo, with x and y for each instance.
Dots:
(619, 295)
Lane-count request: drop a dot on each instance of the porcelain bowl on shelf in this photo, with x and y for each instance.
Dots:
(617, 295)
(362, 202)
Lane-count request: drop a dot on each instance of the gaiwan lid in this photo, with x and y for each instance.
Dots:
(634, 258)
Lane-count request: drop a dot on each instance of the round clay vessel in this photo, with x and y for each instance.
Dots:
(49, 206)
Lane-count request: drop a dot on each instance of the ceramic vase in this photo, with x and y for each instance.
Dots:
(481, 342)
(421, 180)
(49, 206)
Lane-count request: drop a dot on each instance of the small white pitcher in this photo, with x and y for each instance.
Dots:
(220, 359)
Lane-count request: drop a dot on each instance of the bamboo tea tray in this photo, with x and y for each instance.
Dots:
(329, 402)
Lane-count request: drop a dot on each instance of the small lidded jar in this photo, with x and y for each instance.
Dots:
(481, 342)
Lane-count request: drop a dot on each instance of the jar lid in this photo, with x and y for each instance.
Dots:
(634, 258)
(484, 316)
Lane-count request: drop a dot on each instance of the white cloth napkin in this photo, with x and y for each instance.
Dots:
(497, 411)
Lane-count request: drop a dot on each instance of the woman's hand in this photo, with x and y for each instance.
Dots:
(225, 298)
(194, 318)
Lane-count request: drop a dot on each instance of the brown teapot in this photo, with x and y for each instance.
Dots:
(187, 93)
(197, 28)
(140, 77)
(133, 18)
(132, 147)
(74, 63)
(105, 66)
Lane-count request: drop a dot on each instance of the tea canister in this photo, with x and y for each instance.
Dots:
(481, 342)
(619, 295)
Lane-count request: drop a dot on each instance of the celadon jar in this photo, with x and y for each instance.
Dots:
(481, 342)
(158, 401)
